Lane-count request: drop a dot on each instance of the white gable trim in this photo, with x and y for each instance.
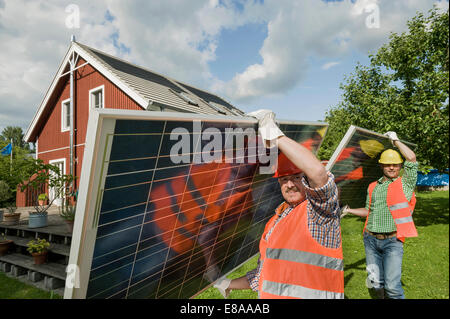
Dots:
(95, 64)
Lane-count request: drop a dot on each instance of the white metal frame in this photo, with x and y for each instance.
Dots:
(100, 129)
(63, 116)
(92, 92)
(348, 135)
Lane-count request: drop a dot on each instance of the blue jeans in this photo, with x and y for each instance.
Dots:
(384, 265)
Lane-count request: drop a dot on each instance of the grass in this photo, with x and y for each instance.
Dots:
(11, 288)
(425, 261)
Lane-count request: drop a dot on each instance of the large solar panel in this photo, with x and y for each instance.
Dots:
(156, 219)
(355, 164)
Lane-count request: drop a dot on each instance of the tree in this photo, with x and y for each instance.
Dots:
(16, 134)
(404, 89)
(19, 169)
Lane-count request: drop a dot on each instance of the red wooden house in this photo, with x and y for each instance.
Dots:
(95, 79)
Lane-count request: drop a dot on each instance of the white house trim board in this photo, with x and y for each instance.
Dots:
(64, 116)
(48, 93)
(143, 102)
(59, 149)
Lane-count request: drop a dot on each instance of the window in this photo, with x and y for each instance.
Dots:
(97, 98)
(53, 191)
(185, 97)
(217, 107)
(65, 115)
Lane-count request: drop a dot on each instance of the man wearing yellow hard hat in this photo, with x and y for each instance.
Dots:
(389, 207)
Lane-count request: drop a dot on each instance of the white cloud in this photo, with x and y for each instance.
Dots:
(299, 30)
(329, 65)
(179, 38)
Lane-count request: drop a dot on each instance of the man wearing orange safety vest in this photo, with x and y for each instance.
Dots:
(300, 248)
(389, 208)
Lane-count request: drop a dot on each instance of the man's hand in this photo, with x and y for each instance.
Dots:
(267, 127)
(344, 210)
(392, 137)
(222, 285)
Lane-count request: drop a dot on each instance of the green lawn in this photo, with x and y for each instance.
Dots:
(11, 288)
(425, 261)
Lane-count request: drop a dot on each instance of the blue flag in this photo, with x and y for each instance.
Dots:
(7, 149)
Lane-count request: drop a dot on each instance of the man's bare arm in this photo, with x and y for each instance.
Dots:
(409, 155)
(301, 157)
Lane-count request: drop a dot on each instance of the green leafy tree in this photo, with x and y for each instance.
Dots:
(404, 89)
(19, 169)
(16, 134)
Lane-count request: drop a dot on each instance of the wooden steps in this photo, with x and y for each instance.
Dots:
(18, 263)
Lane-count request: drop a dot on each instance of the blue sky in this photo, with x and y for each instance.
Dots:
(288, 56)
(309, 100)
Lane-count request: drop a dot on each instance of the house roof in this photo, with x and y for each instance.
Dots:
(152, 91)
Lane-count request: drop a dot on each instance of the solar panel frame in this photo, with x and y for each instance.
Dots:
(363, 183)
(99, 139)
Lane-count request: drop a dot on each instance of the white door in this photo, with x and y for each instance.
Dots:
(60, 163)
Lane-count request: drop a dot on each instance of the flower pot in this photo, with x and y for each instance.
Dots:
(11, 219)
(36, 220)
(39, 258)
(42, 202)
(69, 224)
(4, 247)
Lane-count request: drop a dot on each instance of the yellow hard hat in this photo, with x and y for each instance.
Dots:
(371, 147)
(390, 157)
(322, 131)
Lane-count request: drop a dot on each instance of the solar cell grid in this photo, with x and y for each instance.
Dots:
(355, 165)
(168, 230)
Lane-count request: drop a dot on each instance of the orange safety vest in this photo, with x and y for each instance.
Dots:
(184, 205)
(295, 265)
(401, 209)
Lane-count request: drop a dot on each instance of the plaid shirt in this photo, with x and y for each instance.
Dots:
(323, 220)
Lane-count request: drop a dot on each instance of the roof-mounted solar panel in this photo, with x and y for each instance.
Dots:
(216, 107)
(185, 97)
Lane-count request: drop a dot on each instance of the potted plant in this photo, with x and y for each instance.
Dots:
(43, 198)
(67, 212)
(9, 217)
(38, 249)
(50, 176)
(5, 244)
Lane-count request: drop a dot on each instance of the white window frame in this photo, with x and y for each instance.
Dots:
(63, 116)
(58, 202)
(95, 90)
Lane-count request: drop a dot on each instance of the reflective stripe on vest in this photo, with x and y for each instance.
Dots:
(287, 290)
(305, 258)
(399, 207)
(294, 264)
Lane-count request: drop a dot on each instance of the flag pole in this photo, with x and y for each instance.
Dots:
(10, 161)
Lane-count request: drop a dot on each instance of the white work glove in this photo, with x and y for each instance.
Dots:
(267, 127)
(222, 285)
(344, 210)
(392, 137)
